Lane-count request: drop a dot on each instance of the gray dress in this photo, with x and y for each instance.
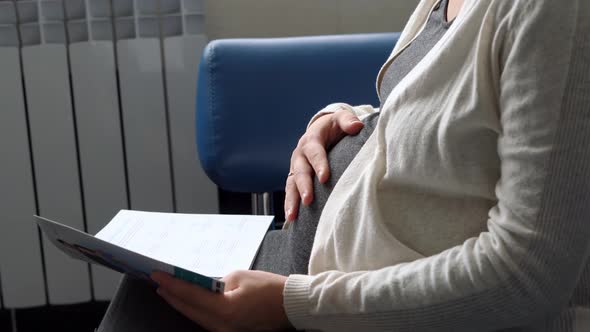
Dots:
(136, 306)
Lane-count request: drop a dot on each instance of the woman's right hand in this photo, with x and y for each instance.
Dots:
(310, 157)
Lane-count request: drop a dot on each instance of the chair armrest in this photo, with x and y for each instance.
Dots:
(256, 96)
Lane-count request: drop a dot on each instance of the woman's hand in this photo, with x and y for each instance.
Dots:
(310, 157)
(253, 301)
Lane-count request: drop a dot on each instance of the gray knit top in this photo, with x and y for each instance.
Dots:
(434, 30)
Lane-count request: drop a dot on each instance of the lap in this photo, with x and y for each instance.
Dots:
(137, 307)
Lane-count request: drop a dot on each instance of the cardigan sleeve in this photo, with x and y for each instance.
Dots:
(526, 265)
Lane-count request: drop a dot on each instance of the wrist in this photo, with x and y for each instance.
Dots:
(284, 319)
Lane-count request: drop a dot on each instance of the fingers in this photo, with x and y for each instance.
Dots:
(310, 157)
(200, 317)
(302, 174)
(232, 280)
(316, 156)
(348, 122)
(194, 302)
(329, 130)
(195, 296)
(299, 186)
(292, 199)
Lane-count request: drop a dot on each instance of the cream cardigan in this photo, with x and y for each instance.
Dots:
(468, 209)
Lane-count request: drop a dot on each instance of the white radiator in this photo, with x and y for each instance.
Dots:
(97, 104)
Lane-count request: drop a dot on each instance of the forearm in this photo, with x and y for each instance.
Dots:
(485, 284)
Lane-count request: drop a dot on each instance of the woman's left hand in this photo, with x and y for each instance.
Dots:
(253, 301)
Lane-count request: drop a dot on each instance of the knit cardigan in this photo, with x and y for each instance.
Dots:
(468, 208)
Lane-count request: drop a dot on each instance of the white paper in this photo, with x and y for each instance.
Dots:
(212, 245)
(196, 248)
(87, 248)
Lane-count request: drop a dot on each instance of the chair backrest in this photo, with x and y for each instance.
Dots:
(256, 96)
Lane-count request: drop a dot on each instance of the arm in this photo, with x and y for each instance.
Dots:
(310, 158)
(527, 263)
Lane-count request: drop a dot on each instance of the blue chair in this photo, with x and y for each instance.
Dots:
(256, 96)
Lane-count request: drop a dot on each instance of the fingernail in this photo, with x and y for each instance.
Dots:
(287, 224)
(288, 214)
(159, 291)
(321, 174)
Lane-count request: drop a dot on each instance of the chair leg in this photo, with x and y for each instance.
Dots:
(267, 205)
(262, 204)
(13, 319)
(255, 204)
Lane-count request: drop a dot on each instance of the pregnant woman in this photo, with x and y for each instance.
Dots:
(461, 204)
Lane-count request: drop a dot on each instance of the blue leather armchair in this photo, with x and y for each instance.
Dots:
(256, 96)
